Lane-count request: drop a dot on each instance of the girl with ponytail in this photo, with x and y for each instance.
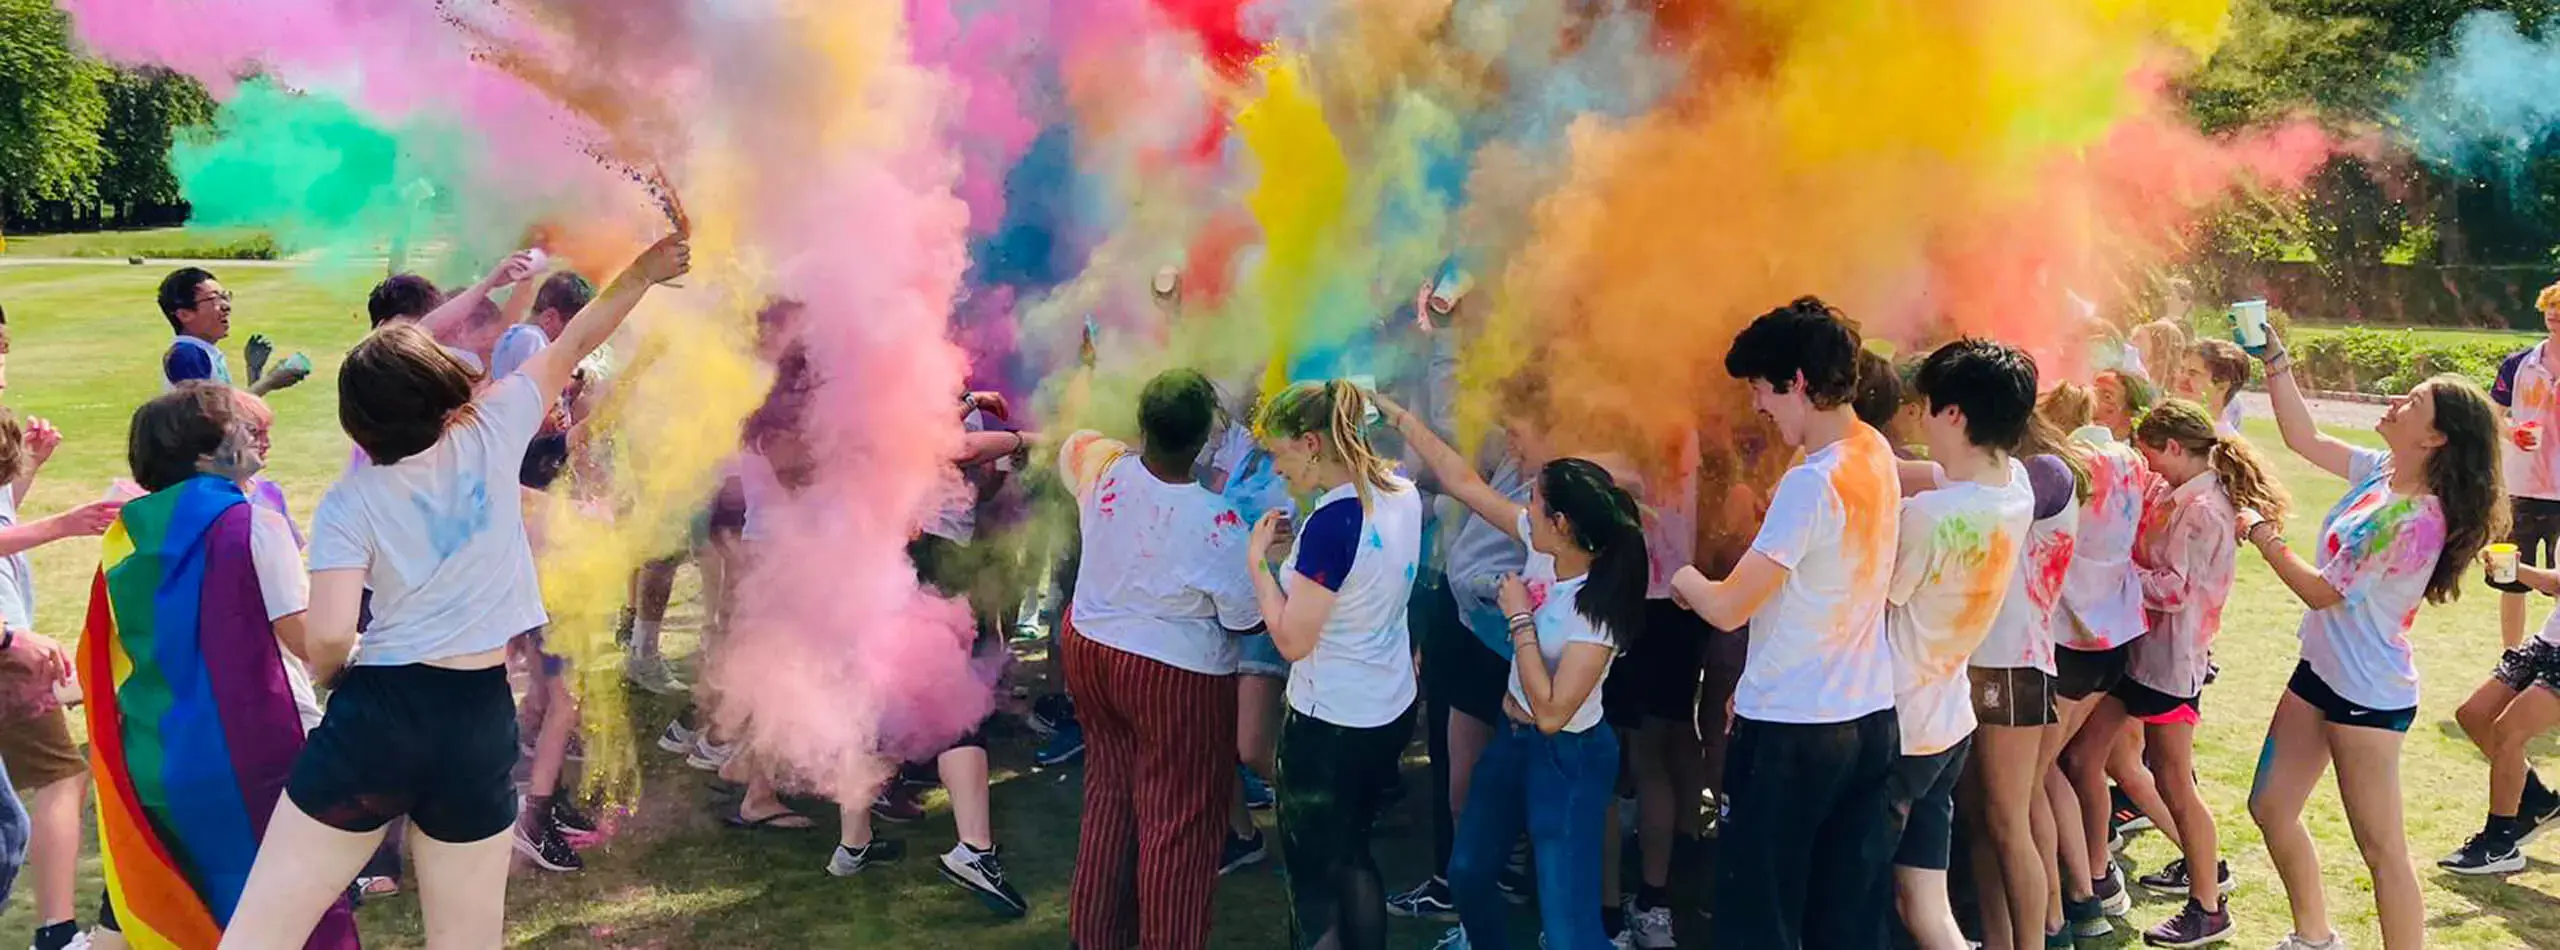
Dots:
(2185, 557)
(1580, 602)
(1336, 611)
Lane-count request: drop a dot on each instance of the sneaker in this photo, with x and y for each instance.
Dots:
(1428, 900)
(1257, 793)
(651, 675)
(61, 936)
(1455, 939)
(1650, 928)
(2088, 918)
(1051, 713)
(2116, 843)
(2172, 878)
(982, 872)
(677, 739)
(709, 756)
(2192, 927)
(2534, 825)
(897, 806)
(1623, 940)
(1241, 853)
(568, 818)
(547, 849)
(2483, 855)
(2061, 941)
(1065, 746)
(2295, 942)
(2111, 893)
(2130, 821)
(1515, 886)
(847, 862)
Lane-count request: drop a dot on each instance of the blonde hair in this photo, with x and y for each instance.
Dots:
(2548, 299)
(2246, 478)
(2069, 406)
(1336, 413)
(2162, 345)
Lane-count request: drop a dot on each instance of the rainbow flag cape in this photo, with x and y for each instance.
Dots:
(192, 729)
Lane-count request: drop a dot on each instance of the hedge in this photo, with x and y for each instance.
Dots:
(2388, 362)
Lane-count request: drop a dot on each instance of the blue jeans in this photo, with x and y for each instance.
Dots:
(1558, 787)
(13, 839)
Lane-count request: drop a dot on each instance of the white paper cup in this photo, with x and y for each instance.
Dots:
(2502, 563)
(2249, 320)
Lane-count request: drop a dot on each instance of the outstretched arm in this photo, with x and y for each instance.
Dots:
(2293, 416)
(1457, 477)
(666, 260)
(457, 309)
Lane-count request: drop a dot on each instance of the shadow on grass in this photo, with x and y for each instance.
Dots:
(2522, 912)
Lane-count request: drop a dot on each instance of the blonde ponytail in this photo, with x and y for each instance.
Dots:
(1336, 412)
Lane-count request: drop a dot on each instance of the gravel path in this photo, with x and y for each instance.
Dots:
(2327, 412)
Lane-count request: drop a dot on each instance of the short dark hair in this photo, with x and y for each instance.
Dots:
(178, 292)
(1879, 390)
(172, 432)
(1805, 337)
(1994, 383)
(402, 295)
(565, 292)
(1176, 411)
(398, 390)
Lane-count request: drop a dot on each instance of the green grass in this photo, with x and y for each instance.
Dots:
(86, 344)
(2435, 335)
(163, 243)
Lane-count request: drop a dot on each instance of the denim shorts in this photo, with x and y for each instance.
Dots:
(1261, 657)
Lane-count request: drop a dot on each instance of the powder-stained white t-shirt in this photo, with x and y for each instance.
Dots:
(1818, 652)
(1163, 570)
(1556, 610)
(440, 536)
(2101, 598)
(1953, 566)
(2378, 548)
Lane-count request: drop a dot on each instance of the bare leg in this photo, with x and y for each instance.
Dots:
(654, 585)
(2533, 713)
(2295, 756)
(853, 807)
(2199, 841)
(462, 891)
(551, 745)
(53, 846)
(2006, 780)
(964, 777)
(1258, 723)
(2511, 617)
(302, 867)
(2478, 715)
(2368, 766)
(1646, 757)
(2085, 761)
(2125, 764)
(1468, 737)
(1921, 896)
(2070, 844)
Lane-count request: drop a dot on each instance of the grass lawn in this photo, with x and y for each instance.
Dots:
(86, 341)
(2438, 335)
(179, 242)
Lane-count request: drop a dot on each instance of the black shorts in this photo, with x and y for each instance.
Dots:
(729, 507)
(433, 744)
(2339, 709)
(2018, 698)
(1458, 670)
(2080, 674)
(2536, 535)
(1658, 678)
(2535, 662)
(1924, 799)
(2153, 706)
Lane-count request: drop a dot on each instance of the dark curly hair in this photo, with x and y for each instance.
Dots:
(1806, 338)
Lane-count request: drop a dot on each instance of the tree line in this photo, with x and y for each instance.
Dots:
(85, 144)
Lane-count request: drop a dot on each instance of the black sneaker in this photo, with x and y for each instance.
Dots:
(570, 819)
(1241, 853)
(982, 872)
(2532, 825)
(2484, 855)
(547, 849)
(2193, 927)
(2087, 918)
(2110, 893)
(2172, 878)
(1428, 900)
(847, 862)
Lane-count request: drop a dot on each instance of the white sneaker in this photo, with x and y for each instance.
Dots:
(2295, 942)
(1651, 929)
(677, 739)
(650, 674)
(709, 756)
(1455, 939)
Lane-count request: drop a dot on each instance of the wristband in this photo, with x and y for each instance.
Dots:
(8, 639)
(1522, 620)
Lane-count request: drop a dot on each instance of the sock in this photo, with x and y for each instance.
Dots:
(644, 638)
(1613, 919)
(1649, 896)
(2505, 829)
(56, 935)
(536, 815)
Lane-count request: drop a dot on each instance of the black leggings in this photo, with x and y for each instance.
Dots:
(1333, 781)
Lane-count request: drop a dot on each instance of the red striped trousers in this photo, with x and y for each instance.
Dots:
(1160, 768)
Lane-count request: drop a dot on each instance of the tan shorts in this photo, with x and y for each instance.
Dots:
(39, 750)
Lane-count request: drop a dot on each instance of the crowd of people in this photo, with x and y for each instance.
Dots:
(1917, 643)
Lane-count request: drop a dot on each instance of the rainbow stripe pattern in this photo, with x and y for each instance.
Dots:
(192, 730)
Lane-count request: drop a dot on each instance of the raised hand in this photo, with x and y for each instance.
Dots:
(42, 439)
(257, 352)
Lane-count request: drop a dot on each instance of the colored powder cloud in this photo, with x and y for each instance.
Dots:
(2487, 106)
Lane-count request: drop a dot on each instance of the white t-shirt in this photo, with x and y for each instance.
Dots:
(957, 519)
(2378, 549)
(2550, 629)
(17, 576)
(1818, 652)
(2101, 596)
(520, 343)
(1163, 570)
(440, 536)
(2023, 635)
(286, 589)
(1560, 623)
(1361, 672)
(1952, 570)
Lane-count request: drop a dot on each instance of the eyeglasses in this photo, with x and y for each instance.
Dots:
(222, 295)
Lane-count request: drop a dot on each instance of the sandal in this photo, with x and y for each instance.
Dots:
(784, 820)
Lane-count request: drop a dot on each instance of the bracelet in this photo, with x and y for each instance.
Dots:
(2282, 363)
(1522, 620)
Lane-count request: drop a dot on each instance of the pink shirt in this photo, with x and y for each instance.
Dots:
(2184, 559)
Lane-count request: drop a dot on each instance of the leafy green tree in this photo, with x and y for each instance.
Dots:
(51, 111)
(145, 108)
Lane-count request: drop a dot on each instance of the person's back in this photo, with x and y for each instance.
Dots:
(2100, 594)
(1959, 550)
(1361, 673)
(1164, 562)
